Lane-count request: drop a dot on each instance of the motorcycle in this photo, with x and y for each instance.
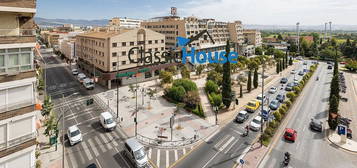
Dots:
(286, 159)
(246, 132)
(317, 78)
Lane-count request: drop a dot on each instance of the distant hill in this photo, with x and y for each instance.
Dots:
(302, 27)
(77, 22)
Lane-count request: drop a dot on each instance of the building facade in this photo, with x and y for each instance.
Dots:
(253, 37)
(106, 54)
(117, 23)
(17, 84)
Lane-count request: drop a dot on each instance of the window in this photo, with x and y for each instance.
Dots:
(149, 49)
(157, 72)
(123, 62)
(156, 49)
(123, 44)
(114, 64)
(123, 53)
(131, 43)
(13, 59)
(114, 54)
(156, 41)
(162, 41)
(150, 42)
(162, 48)
(114, 44)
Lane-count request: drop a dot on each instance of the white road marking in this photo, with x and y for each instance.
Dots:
(93, 147)
(167, 158)
(210, 159)
(99, 165)
(127, 164)
(158, 158)
(72, 160)
(221, 141)
(86, 150)
(226, 144)
(243, 154)
(106, 140)
(229, 148)
(184, 151)
(212, 135)
(176, 157)
(100, 144)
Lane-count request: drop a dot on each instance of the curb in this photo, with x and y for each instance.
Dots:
(345, 149)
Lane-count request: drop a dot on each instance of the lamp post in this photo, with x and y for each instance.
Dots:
(215, 108)
(117, 81)
(262, 105)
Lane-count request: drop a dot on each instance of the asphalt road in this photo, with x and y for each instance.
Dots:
(99, 147)
(225, 146)
(310, 149)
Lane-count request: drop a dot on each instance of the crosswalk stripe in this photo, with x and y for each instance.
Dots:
(81, 153)
(96, 139)
(226, 144)
(66, 163)
(230, 147)
(176, 157)
(219, 143)
(149, 153)
(158, 158)
(71, 158)
(167, 158)
(105, 140)
(86, 150)
(93, 147)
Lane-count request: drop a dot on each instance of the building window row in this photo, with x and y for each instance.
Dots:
(16, 60)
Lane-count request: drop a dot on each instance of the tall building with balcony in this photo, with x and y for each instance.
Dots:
(253, 37)
(17, 84)
(108, 54)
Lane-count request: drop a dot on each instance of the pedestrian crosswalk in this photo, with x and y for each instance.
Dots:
(163, 158)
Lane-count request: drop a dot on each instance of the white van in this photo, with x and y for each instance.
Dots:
(88, 83)
(81, 77)
(136, 153)
(107, 121)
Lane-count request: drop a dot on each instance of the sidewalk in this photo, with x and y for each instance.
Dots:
(350, 145)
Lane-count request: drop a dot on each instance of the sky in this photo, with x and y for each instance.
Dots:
(265, 12)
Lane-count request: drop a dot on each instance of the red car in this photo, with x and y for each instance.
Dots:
(290, 134)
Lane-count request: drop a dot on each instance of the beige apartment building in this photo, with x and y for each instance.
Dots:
(117, 23)
(253, 37)
(17, 84)
(174, 26)
(106, 54)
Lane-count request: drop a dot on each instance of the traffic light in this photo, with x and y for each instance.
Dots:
(90, 101)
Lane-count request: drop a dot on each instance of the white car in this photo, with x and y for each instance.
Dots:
(81, 77)
(255, 124)
(75, 71)
(273, 90)
(74, 135)
(292, 72)
(260, 97)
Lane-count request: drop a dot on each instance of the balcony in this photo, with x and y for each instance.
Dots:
(17, 141)
(11, 36)
(18, 3)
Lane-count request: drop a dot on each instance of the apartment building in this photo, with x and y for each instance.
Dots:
(17, 84)
(117, 23)
(174, 26)
(106, 54)
(253, 37)
(67, 48)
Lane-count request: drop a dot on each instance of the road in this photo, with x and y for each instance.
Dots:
(225, 146)
(311, 149)
(99, 147)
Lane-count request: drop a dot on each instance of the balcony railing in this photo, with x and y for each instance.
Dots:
(17, 32)
(17, 141)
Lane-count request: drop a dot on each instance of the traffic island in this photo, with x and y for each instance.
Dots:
(335, 139)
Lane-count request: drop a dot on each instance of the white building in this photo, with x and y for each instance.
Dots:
(17, 84)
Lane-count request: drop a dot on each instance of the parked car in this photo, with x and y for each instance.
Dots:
(265, 113)
(296, 82)
(289, 87)
(107, 121)
(252, 106)
(301, 73)
(242, 116)
(75, 71)
(88, 83)
(93, 165)
(255, 124)
(74, 135)
(292, 72)
(290, 134)
(260, 98)
(81, 77)
(329, 62)
(272, 90)
(305, 63)
(284, 80)
(274, 104)
(280, 97)
(134, 150)
(329, 67)
(316, 125)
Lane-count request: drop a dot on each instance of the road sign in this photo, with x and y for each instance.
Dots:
(241, 161)
(341, 130)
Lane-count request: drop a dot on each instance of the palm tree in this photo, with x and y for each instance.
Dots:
(151, 92)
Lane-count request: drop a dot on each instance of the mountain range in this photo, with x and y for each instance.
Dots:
(102, 22)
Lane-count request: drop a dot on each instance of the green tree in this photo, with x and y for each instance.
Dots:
(50, 125)
(215, 76)
(283, 61)
(280, 37)
(255, 78)
(226, 82)
(187, 84)
(277, 67)
(176, 93)
(172, 69)
(211, 87)
(199, 69)
(185, 73)
(334, 103)
(192, 99)
(47, 107)
(258, 51)
(280, 66)
(217, 99)
(241, 79)
(166, 77)
(132, 89)
(151, 93)
(249, 84)
(278, 54)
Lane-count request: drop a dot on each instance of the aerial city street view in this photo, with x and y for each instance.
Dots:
(178, 84)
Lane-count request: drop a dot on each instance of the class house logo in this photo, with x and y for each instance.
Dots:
(201, 57)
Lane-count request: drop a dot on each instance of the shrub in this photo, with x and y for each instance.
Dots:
(198, 111)
(284, 107)
(176, 93)
(37, 154)
(302, 83)
(274, 124)
(282, 111)
(288, 103)
(290, 95)
(211, 87)
(269, 131)
(216, 99)
(166, 77)
(277, 116)
(297, 90)
(38, 163)
(187, 84)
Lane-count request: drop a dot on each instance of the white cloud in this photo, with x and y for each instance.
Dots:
(282, 12)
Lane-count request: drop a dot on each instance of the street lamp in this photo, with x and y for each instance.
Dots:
(215, 108)
(261, 123)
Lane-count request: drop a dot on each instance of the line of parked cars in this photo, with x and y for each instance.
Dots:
(88, 83)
